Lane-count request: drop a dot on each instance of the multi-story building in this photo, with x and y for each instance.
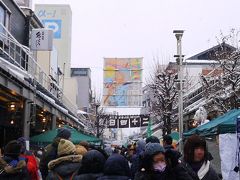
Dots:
(28, 103)
(193, 68)
(59, 19)
(84, 91)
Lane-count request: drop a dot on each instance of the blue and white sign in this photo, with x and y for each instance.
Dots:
(55, 25)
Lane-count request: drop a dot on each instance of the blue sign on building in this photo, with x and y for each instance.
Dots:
(55, 25)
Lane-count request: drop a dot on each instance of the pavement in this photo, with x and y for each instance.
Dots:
(213, 148)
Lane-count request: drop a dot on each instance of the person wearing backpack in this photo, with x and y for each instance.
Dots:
(32, 165)
(67, 164)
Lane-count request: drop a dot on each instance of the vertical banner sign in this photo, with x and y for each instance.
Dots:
(113, 123)
(238, 140)
(144, 120)
(123, 121)
(135, 121)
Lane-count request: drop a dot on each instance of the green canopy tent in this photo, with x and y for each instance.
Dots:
(221, 125)
(76, 137)
(175, 135)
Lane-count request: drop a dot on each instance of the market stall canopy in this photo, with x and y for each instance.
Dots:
(76, 137)
(221, 125)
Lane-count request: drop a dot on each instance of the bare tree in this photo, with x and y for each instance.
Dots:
(164, 92)
(222, 85)
(99, 120)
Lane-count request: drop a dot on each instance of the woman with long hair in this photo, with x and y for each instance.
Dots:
(196, 159)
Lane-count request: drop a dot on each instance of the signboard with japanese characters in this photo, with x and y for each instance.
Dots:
(42, 40)
(126, 121)
(123, 121)
(144, 120)
(113, 122)
(135, 121)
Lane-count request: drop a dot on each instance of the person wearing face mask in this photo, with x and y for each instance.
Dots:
(158, 165)
(196, 159)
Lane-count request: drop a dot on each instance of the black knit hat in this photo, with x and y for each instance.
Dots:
(152, 139)
(64, 133)
(13, 149)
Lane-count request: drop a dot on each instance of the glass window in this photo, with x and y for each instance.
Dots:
(2, 18)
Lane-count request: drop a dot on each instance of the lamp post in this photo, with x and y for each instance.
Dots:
(179, 58)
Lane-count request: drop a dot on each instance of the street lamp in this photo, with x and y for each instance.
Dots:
(179, 59)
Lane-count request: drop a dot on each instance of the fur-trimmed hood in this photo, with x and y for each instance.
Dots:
(70, 158)
(64, 167)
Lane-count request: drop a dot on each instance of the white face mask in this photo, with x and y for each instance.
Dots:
(160, 166)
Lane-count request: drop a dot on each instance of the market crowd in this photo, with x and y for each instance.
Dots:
(143, 160)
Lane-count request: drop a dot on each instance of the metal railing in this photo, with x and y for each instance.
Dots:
(22, 57)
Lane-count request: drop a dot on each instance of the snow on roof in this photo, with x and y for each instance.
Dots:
(44, 96)
(60, 108)
(198, 61)
(76, 120)
(192, 89)
(14, 68)
(195, 105)
(81, 112)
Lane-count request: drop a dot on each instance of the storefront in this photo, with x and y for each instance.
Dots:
(11, 115)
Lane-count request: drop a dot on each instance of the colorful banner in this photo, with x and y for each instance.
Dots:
(122, 82)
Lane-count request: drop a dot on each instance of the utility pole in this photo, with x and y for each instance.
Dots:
(179, 58)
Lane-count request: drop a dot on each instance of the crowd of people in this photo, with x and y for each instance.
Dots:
(143, 160)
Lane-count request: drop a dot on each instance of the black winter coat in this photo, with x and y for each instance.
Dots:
(114, 178)
(65, 167)
(92, 166)
(49, 154)
(89, 176)
(116, 168)
(210, 175)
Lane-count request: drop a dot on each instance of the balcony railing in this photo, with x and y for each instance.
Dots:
(22, 57)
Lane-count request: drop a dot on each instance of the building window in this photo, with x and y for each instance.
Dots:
(4, 17)
(80, 72)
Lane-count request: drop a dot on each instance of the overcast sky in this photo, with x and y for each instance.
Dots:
(143, 28)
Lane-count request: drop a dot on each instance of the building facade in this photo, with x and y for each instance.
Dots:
(28, 102)
(84, 91)
(59, 19)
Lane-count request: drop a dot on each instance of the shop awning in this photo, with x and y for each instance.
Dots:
(221, 125)
(76, 137)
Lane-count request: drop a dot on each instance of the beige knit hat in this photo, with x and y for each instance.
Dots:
(66, 147)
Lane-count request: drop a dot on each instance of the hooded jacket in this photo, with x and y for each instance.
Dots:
(65, 167)
(92, 166)
(116, 168)
(136, 159)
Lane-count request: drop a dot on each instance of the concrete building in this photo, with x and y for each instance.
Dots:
(84, 91)
(28, 105)
(59, 19)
